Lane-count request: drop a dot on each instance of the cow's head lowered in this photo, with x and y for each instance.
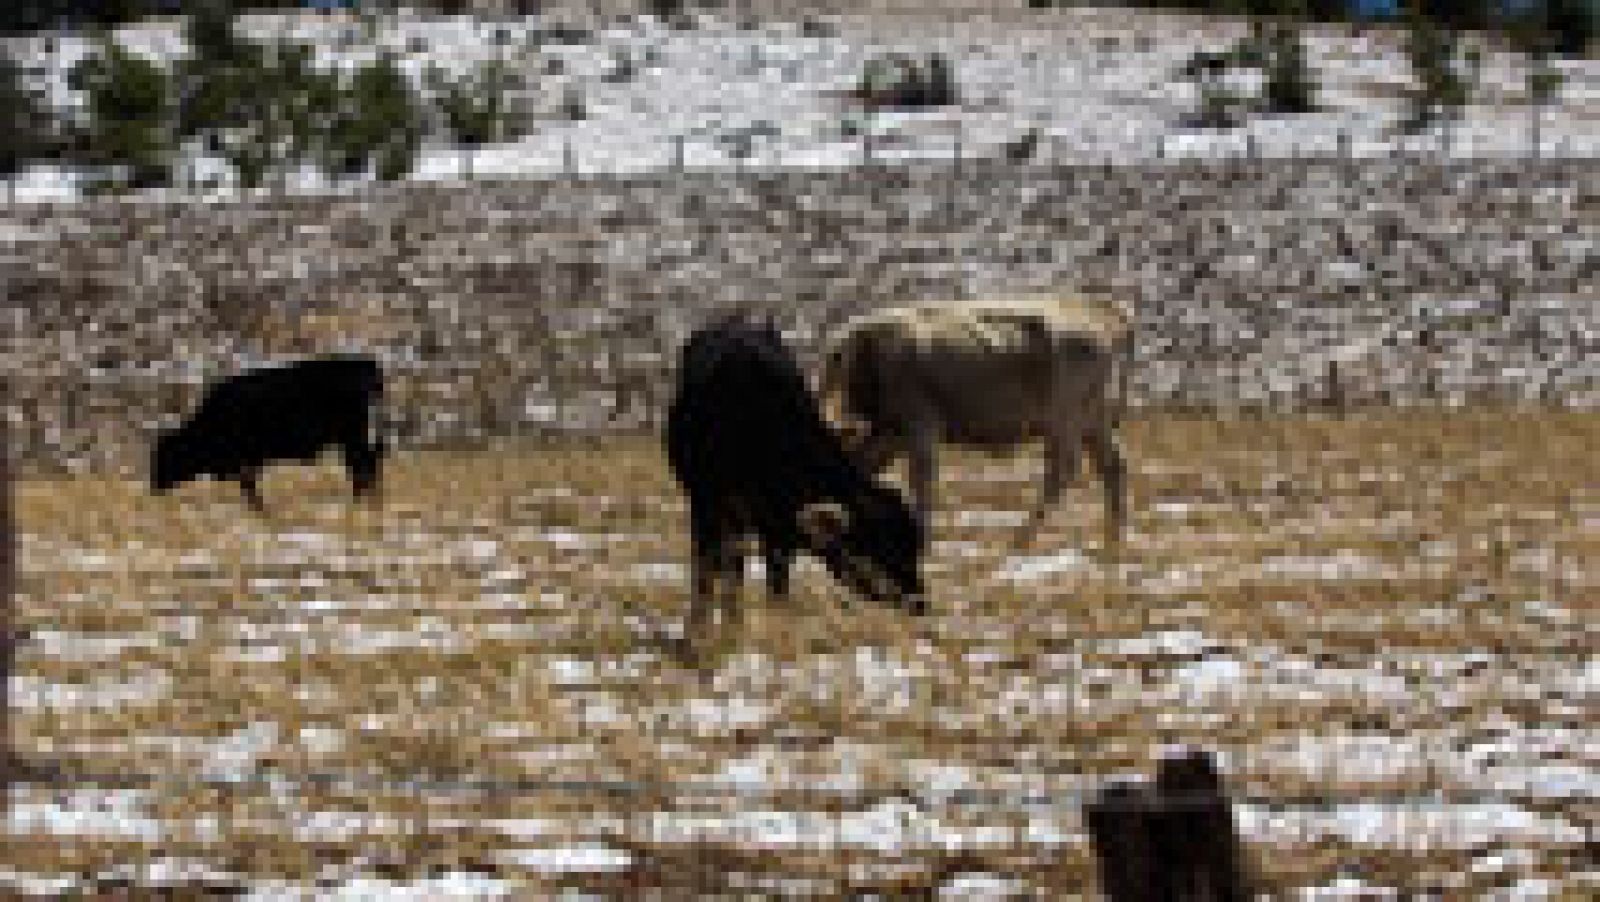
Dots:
(173, 459)
(872, 543)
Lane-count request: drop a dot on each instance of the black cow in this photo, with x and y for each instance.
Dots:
(288, 412)
(747, 442)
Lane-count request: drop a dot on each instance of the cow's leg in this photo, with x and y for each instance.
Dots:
(248, 478)
(363, 460)
(704, 559)
(923, 473)
(778, 559)
(731, 564)
(1060, 470)
(1106, 450)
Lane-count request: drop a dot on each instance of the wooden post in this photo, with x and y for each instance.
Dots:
(1175, 839)
(955, 178)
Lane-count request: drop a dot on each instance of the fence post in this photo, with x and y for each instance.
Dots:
(1175, 839)
(1333, 388)
(955, 177)
(677, 152)
(569, 165)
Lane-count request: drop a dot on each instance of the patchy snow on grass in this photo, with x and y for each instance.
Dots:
(233, 757)
(29, 693)
(79, 646)
(890, 827)
(275, 642)
(451, 885)
(1177, 643)
(1268, 674)
(100, 813)
(1026, 569)
(566, 859)
(1417, 826)
(34, 884)
(1346, 888)
(981, 886)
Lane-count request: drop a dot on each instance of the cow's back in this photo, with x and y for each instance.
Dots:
(990, 372)
(744, 433)
(289, 411)
(739, 393)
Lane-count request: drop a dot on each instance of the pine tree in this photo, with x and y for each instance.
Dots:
(1439, 68)
(941, 81)
(1289, 87)
(377, 123)
(129, 114)
(29, 135)
(475, 107)
(1571, 25)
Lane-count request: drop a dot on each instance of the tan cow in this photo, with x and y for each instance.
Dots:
(989, 374)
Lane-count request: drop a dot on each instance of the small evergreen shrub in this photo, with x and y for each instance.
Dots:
(128, 106)
(1289, 86)
(376, 123)
(29, 136)
(1443, 71)
(897, 81)
(475, 108)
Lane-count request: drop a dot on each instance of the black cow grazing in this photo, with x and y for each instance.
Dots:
(747, 442)
(289, 412)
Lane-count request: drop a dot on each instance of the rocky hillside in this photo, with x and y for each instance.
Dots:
(531, 305)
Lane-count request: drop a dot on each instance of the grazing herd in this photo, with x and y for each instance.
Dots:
(766, 464)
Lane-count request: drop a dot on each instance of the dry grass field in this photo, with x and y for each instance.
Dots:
(1384, 625)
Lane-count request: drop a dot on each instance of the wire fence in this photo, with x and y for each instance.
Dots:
(711, 790)
(570, 157)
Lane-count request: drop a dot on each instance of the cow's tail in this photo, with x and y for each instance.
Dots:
(1122, 361)
(382, 422)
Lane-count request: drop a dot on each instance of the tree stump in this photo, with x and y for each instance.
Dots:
(1174, 839)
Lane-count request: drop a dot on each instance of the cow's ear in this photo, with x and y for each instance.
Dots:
(824, 521)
